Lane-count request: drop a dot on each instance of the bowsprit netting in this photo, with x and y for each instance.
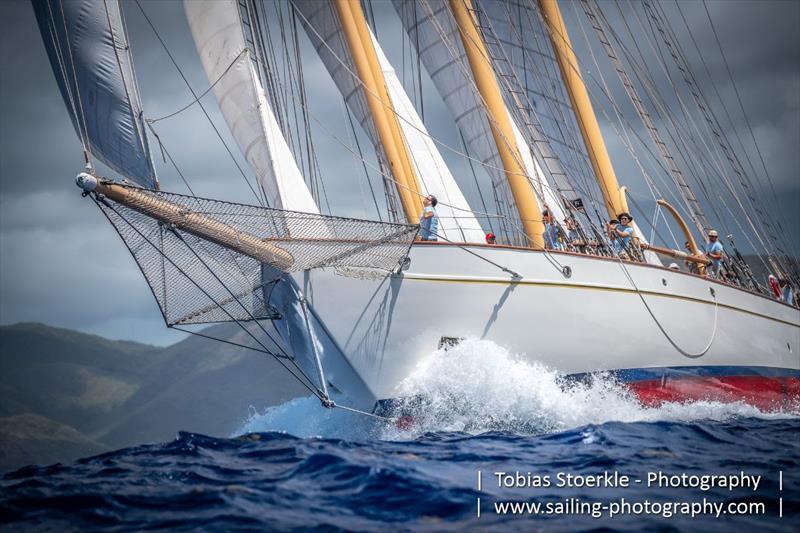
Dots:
(217, 277)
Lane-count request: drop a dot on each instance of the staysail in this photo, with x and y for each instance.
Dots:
(90, 55)
(216, 26)
(456, 220)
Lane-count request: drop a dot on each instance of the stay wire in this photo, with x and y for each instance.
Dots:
(199, 103)
(279, 359)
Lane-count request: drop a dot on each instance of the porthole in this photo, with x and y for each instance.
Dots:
(664, 281)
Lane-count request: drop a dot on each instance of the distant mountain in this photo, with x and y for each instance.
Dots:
(65, 394)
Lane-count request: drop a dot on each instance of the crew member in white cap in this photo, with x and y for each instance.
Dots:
(714, 253)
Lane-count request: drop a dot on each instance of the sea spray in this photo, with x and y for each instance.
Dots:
(479, 386)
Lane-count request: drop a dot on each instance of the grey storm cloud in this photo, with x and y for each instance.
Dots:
(61, 263)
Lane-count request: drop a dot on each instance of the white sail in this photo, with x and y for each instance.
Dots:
(90, 55)
(218, 35)
(456, 220)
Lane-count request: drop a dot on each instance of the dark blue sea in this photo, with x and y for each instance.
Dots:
(550, 456)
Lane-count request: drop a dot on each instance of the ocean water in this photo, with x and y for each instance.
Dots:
(549, 455)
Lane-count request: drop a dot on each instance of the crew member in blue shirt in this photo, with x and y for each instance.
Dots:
(428, 221)
(550, 231)
(623, 233)
(714, 252)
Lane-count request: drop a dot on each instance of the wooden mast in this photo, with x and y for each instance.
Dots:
(590, 129)
(356, 32)
(529, 212)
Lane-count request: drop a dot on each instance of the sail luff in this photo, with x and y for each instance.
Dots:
(90, 55)
(353, 25)
(505, 141)
(228, 63)
(457, 222)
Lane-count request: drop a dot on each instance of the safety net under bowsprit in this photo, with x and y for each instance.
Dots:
(198, 280)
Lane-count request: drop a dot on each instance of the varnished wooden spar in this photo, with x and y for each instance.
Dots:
(699, 259)
(198, 225)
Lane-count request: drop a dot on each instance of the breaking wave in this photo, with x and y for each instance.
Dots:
(479, 386)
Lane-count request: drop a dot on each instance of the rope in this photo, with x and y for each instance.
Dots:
(514, 274)
(199, 97)
(277, 358)
(188, 85)
(663, 330)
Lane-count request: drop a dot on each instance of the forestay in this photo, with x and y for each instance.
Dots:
(90, 54)
(218, 34)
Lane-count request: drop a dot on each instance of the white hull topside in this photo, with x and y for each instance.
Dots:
(593, 320)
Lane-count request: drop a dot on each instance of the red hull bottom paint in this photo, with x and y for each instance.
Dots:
(765, 393)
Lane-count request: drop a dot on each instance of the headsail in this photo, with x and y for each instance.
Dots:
(456, 220)
(228, 62)
(90, 55)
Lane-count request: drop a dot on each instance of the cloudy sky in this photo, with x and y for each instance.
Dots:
(62, 264)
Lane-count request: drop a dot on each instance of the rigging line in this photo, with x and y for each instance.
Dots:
(746, 183)
(514, 275)
(533, 124)
(87, 144)
(201, 95)
(140, 133)
(712, 124)
(105, 202)
(554, 102)
(475, 178)
(360, 412)
(644, 78)
(169, 156)
(218, 339)
(376, 169)
(686, 193)
(661, 327)
(65, 75)
(626, 140)
(363, 161)
(744, 112)
(312, 154)
(711, 78)
(387, 106)
(261, 201)
(662, 108)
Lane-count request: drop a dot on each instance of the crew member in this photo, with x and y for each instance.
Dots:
(691, 266)
(428, 221)
(572, 229)
(787, 294)
(550, 231)
(714, 252)
(490, 238)
(622, 233)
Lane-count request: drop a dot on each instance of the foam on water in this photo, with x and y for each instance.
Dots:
(478, 386)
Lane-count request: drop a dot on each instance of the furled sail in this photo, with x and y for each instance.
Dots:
(456, 220)
(228, 62)
(90, 55)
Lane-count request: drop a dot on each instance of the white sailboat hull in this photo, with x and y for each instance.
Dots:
(593, 320)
